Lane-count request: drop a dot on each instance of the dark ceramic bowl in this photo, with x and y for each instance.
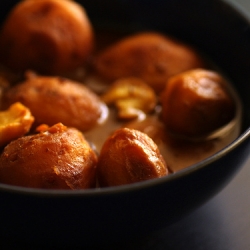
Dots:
(118, 214)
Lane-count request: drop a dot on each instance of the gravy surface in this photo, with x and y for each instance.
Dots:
(178, 153)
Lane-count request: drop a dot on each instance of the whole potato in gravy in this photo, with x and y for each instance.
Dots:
(150, 56)
(196, 102)
(129, 156)
(55, 99)
(57, 158)
(49, 36)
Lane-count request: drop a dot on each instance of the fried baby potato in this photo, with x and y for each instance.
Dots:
(48, 36)
(55, 99)
(129, 156)
(15, 122)
(196, 102)
(57, 158)
(150, 56)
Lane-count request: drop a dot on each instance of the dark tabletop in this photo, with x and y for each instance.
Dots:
(223, 223)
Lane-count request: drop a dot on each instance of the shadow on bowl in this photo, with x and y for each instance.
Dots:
(108, 215)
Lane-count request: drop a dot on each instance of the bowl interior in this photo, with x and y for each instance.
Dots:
(211, 26)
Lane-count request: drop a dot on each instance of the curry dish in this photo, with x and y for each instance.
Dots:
(82, 110)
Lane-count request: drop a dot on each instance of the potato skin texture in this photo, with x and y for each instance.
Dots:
(196, 102)
(48, 36)
(55, 99)
(58, 158)
(150, 56)
(129, 156)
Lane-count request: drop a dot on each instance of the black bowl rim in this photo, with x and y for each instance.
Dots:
(244, 136)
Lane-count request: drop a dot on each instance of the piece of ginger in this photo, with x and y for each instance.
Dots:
(131, 96)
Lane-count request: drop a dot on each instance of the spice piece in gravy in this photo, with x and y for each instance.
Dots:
(15, 122)
(131, 96)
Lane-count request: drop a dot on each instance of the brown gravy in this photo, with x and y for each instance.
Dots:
(178, 153)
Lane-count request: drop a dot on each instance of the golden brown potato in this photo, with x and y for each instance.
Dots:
(54, 99)
(15, 122)
(49, 36)
(129, 156)
(196, 102)
(57, 158)
(150, 56)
